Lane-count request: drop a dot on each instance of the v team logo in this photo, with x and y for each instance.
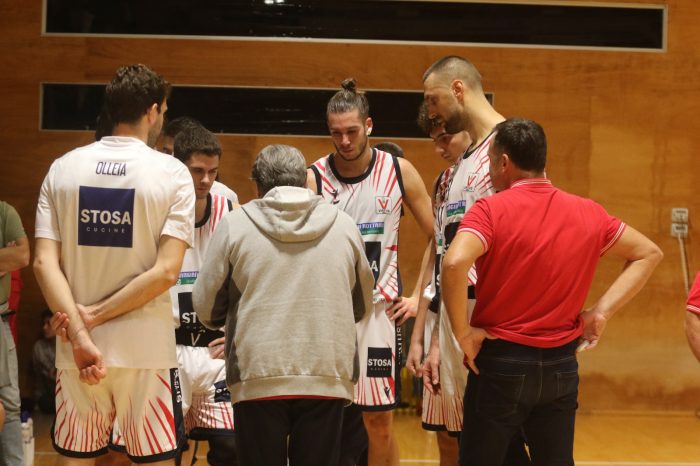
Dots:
(382, 204)
(472, 178)
(105, 217)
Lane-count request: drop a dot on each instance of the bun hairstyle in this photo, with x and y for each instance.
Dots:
(348, 99)
(349, 84)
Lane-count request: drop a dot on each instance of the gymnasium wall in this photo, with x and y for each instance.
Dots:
(622, 129)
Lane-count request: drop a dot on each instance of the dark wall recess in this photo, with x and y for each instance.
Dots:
(635, 27)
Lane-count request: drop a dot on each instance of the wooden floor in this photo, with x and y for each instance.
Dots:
(602, 439)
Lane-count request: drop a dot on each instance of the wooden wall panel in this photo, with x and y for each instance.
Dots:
(622, 129)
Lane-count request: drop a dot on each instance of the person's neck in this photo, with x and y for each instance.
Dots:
(482, 119)
(200, 207)
(133, 131)
(353, 168)
(521, 175)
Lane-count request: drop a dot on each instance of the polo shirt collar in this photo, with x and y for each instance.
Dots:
(531, 182)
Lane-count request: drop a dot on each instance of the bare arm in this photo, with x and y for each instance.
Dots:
(416, 348)
(15, 256)
(463, 252)
(641, 256)
(404, 308)
(58, 295)
(417, 199)
(142, 288)
(53, 283)
(311, 181)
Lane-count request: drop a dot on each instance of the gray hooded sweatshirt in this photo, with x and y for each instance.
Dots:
(288, 276)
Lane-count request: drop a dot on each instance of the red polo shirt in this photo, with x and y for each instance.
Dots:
(694, 296)
(542, 247)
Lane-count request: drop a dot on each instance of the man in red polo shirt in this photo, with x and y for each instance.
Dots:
(536, 249)
(692, 318)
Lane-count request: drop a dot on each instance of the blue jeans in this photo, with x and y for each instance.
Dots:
(521, 387)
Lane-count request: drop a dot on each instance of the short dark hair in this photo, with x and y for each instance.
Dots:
(132, 91)
(46, 314)
(173, 127)
(425, 123)
(195, 139)
(454, 67)
(348, 99)
(524, 141)
(390, 147)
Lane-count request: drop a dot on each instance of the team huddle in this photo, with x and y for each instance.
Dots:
(272, 330)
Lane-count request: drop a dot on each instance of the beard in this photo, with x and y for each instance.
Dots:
(361, 151)
(455, 122)
(153, 133)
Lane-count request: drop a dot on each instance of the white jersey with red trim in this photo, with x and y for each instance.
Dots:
(469, 182)
(374, 200)
(181, 292)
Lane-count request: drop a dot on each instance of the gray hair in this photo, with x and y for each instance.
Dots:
(279, 165)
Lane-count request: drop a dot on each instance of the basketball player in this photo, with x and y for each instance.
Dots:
(166, 144)
(372, 187)
(442, 403)
(470, 182)
(113, 222)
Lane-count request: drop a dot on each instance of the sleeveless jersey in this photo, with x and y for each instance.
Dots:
(374, 200)
(469, 182)
(189, 331)
(439, 198)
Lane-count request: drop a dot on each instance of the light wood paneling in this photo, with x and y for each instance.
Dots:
(622, 129)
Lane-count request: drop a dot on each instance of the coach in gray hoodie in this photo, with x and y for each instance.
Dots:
(288, 276)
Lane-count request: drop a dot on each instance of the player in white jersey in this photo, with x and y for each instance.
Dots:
(449, 82)
(166, 144)
(113, 222)
(455, 190)
(372, 186)
(206, 401)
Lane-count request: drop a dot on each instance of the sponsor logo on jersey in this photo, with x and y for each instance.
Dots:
(379, 362)
(472, 178)
(221, 393)
(111, 168)
(188, 319)
(373, 251)
(383, 204)
(373, 228)
(105, 217)
(456, 208)
(187, 278)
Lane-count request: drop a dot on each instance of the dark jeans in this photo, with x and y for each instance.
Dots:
(354, 442)
(520, 387)
(313, 427)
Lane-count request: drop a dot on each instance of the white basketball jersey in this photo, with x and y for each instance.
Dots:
(374, 200)
(470, 181)
(108, 204)
(189, 331)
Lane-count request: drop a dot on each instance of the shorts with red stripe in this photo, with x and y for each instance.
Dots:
(206, 401)
(145, 402)
(379, 347)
